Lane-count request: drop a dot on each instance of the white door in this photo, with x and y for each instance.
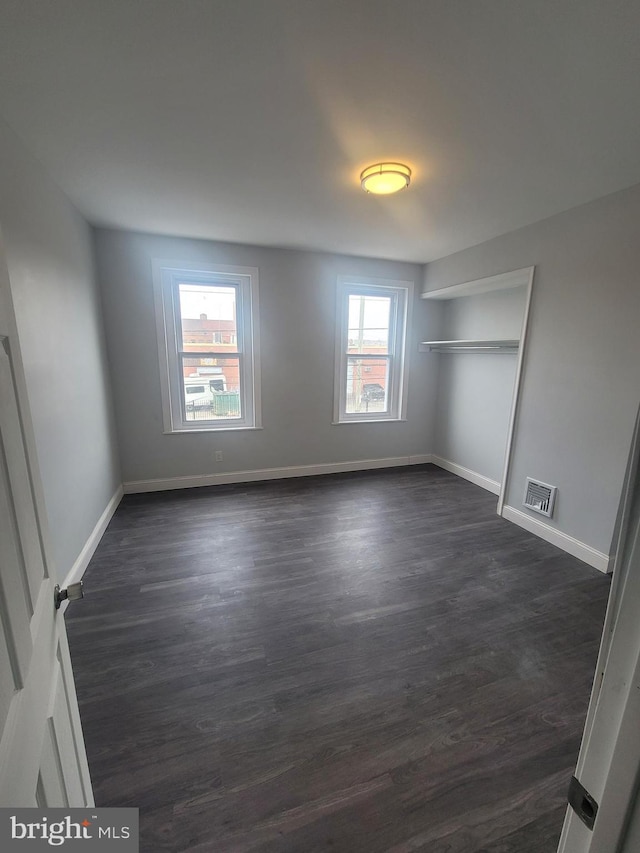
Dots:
(42, 754)
(609, 761)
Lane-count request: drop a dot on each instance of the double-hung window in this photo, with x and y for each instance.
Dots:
(370, 375)
(208, 346)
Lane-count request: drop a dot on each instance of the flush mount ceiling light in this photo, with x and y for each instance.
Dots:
(385, 178)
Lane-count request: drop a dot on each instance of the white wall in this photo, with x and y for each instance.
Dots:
(475, 389)
(297, 331)
(47, 250)
(581, 381)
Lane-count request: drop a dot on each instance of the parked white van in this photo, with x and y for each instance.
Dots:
(199, 390)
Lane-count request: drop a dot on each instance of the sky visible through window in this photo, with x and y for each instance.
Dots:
(369, 320)
(216, 302)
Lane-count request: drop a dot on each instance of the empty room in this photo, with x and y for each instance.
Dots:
(319, 420)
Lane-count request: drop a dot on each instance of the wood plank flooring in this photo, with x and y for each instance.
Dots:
(360, 663)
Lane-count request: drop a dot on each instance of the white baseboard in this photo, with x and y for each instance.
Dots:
(467, 474)
(586, 553)
(572, 546)
(137, 486)
(80, 565)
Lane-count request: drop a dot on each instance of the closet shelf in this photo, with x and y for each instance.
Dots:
(470, 346)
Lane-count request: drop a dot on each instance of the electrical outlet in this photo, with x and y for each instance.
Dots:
(218, 456)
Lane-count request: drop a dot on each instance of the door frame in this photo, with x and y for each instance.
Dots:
(608, 764)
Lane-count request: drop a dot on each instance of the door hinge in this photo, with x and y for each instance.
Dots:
(74, 592)
(582, 803)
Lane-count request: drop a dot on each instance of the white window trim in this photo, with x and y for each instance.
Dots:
(403, 292)
(165, 275)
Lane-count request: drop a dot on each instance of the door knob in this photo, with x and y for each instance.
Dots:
(73, 592)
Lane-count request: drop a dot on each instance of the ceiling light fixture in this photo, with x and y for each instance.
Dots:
(385, 178)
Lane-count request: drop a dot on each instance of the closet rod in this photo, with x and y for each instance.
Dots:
(470, 346)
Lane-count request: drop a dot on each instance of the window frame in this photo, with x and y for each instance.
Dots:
(167, 276)
(401, 293)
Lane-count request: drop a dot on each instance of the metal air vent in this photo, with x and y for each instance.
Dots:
(540, 497)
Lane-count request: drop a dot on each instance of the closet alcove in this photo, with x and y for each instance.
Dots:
(481, 352)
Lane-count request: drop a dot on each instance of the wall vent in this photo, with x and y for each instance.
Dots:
(540, 497)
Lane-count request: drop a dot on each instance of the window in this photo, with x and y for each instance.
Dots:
(208, 346)
(370, 350)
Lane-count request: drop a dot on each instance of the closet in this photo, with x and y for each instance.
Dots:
(480, 350)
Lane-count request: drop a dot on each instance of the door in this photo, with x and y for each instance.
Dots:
(42, 754)
(609, 761)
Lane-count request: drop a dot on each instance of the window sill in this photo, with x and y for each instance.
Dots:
(199, 430)
(371, 421)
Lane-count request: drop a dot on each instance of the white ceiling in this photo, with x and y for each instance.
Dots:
(250, 120)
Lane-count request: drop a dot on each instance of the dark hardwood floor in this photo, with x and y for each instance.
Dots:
(365, 663)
